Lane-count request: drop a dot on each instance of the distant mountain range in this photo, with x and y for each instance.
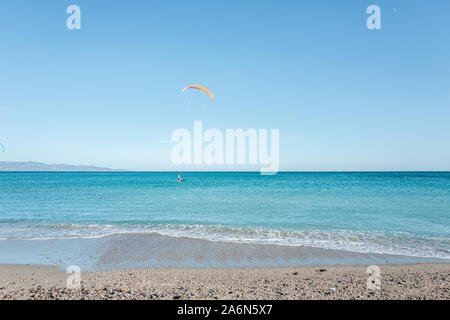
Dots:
(38, 166)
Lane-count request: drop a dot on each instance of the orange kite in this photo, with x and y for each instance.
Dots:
(199, 87)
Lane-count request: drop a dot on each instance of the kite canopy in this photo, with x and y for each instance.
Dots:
(199, 87)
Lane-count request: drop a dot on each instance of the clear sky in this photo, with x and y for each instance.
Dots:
(343, 97)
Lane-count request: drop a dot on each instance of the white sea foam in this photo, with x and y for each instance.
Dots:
(399, 243)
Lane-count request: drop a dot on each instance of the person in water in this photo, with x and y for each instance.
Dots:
(180, 179)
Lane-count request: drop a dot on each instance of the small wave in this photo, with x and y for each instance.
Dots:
(397, 243)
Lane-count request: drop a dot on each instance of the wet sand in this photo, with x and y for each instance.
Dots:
(420, 281)
(150, 266)
(132, 251)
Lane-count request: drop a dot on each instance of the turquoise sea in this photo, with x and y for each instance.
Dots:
(405, 213)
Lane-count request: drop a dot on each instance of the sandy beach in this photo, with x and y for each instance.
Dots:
(419, 281)
(149, 266)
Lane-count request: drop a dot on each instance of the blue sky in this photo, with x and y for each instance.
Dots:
(344, 97)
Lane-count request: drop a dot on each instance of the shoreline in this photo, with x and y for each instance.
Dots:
(416, 281)
(140, 250)
(150, 266)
